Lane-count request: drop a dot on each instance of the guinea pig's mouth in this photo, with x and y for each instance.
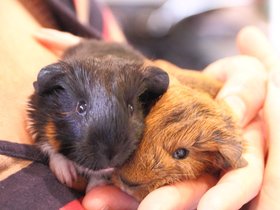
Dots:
(129, 183)
(138, 190)
(132, 184)
(156, 183)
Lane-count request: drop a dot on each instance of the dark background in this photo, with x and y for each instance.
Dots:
(195, 41)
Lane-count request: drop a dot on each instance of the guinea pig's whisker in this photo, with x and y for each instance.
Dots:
(85, 159)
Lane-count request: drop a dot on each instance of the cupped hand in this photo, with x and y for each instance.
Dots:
(235, 188)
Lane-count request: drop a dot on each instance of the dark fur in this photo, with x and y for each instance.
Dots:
(110, 78)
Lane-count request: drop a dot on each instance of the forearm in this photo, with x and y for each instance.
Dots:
(21, 57)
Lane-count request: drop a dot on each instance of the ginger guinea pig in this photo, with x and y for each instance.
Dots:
(187, 134)
(87, 111)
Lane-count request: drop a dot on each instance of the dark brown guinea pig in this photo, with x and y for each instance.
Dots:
(87, 111)
(187, 134)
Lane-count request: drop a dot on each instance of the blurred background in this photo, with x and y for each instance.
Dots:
(189, 33)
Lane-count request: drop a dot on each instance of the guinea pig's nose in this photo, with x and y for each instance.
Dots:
(115, 158)
(110, 156)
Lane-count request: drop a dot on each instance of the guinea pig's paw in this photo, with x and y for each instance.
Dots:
(63, 168)
(95, 181)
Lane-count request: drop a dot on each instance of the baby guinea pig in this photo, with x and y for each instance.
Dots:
(187, 134)
(87, 111)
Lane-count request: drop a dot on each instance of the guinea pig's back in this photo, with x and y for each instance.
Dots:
(97, 49)
(190, 78)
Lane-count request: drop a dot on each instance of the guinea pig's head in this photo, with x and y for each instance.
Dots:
(92, 111)
(187, 134)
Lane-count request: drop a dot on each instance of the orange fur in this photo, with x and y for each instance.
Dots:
(50, 132)
(186, 116)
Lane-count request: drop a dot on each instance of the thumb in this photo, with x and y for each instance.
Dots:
(244, 87)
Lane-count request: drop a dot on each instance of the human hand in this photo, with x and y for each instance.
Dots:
(244, 91)
(187, 195)
(252, 42)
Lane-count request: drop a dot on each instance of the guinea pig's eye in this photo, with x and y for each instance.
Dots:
(180, 153)
(81, 107)
(130, 108)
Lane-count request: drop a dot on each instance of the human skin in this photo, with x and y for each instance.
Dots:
(253, 43)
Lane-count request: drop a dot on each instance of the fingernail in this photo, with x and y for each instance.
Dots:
(275, 77)
(48, 31)
(44, 33)
(237, 105)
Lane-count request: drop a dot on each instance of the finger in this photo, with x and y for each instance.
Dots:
(269, 196)
(251, 41)
(272, 116)
(55, 40)
(108, 197)
(242, 93)
(239, 186)
(183, 195)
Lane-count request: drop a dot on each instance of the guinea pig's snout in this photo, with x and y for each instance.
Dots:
(111, 159)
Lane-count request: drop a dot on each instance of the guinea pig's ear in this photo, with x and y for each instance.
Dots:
(156, 82)
(49, 79)
(230, 156)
